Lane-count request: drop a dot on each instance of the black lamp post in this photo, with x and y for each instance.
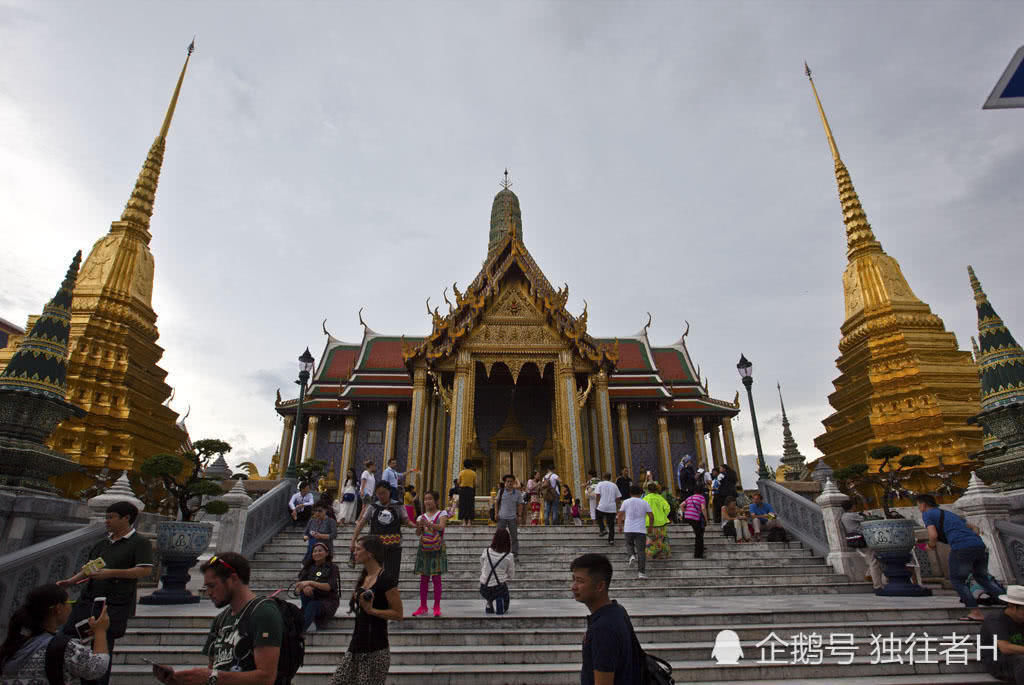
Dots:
(305, 366)
(746, 373)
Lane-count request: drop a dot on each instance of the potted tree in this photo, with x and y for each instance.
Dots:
(181, 542)
(892, 538)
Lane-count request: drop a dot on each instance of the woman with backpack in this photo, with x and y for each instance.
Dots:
(497, 565)
(375, 601)
(36, 651)
(318, 587)
(431, 556)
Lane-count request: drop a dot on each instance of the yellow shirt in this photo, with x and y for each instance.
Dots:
(408, 498)
(467, 478)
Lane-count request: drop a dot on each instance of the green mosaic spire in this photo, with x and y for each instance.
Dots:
(506, 218)
(40, 363)
(999, 357)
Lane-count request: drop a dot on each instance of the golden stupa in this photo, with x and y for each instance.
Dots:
(113, 370)
(902, 378)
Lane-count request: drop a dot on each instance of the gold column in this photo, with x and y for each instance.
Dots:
(417, 420)
(604, 421)
(568, 459)
(348, 448)
(716, 445)
(596, 459)
(699, 444)
(462, 415)
(286, 442)
(665, 450)
(730, 448)
(314, 423)
(389, 434)
(627, 456)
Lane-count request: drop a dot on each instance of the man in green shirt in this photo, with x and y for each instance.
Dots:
(127, 556)
(244, 642)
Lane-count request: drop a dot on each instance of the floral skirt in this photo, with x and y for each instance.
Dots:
(534, 510)
(364, 668)
(657, 543)
(431, 563)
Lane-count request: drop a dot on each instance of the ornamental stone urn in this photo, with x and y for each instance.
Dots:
(180, 543)
(892, 541)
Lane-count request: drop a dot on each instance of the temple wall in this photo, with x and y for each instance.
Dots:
(372, 418)
(327, 451)
(404, 419)
(682, 424)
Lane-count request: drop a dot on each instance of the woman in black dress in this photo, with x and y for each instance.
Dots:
(318, 587)
(375, 601)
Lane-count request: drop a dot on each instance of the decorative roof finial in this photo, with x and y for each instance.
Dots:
(999, 357)
(506, 183)
(824, 119)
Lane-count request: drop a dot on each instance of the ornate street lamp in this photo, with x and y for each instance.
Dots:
(746, 373)
(305, 366)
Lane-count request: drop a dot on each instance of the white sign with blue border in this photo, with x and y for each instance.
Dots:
(1009, 91)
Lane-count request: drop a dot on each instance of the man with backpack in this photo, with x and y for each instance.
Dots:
(253, 641)
(550, 489)
(967, 553)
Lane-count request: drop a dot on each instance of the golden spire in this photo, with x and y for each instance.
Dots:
(139, 208)
(859, 237)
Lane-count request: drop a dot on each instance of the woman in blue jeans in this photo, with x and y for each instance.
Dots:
(317, 587)
(967, 553)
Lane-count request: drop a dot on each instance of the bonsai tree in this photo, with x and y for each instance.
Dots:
(850, 479)
(187, 492)
(311, 471)
(891, 477)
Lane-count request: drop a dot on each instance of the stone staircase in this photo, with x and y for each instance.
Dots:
(754, 589)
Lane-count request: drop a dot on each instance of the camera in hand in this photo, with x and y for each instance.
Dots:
(366, 595)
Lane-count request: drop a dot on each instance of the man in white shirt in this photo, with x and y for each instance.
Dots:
(301, 505)
(367, 483)
(608, 498)
(637, 519)
(551, 508)
(391, 476)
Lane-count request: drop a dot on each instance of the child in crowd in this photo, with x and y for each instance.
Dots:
(576, 520)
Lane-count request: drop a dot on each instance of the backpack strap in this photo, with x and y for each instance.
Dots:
(54, 658)
(942, 525)
(494, 570)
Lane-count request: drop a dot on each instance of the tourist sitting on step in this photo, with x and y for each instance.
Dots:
(735, 521)
(1007, 629)
(35, 645)
(319, 528)
(850, 521)
(967, 553)
(762, 516)
(301, 505)
(318, 587)
(497, 566)
(386, 519)
(375, 601)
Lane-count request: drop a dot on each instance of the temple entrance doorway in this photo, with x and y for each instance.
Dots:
(511, 458)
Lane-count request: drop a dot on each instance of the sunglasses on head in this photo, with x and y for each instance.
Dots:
(217, 560)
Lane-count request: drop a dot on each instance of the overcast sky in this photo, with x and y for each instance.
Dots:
(668, 157)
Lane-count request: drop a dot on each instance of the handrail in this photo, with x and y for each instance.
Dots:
(44, 562)
(266, 517)
(801, 517)
(1011, 535)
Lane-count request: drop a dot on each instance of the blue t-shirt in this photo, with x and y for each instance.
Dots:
(762, 509)
(958, 534)
(608, 646)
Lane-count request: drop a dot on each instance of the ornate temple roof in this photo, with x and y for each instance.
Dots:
(1000, 359)
(40, 363)
(377, 368)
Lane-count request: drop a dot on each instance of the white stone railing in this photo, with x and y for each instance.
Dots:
(1012, 537)
(802, 518)
(45, 562)
(266, 517)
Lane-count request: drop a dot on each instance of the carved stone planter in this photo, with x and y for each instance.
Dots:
(892, 540)
(180, 543)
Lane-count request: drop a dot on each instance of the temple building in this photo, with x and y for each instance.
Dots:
(112, 371)
(509, 379)
(902, 378)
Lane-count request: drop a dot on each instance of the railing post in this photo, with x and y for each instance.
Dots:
(839, 557)
(982, 506)
(232, 524)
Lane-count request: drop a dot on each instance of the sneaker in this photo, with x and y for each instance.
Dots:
(632, 561)
(488, 609)
(611, 542)
(642, 576)
(311, 628)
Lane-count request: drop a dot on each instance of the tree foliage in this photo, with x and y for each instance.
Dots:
(188, 491)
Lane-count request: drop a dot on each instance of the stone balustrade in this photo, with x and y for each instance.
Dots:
(266, 517)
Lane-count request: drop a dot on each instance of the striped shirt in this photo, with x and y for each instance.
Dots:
(693, 506)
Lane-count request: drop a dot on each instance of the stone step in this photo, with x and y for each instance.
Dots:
(712, 561)
(424, 632)
(564, 550)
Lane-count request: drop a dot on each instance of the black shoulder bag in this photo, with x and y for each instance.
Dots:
(54, 658)
(653, 670)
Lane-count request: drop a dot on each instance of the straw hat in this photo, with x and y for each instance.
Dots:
(1014, 595)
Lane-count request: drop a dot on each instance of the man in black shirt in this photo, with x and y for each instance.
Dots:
(623, 483)
(1007, 627)
(127, 556)
(609, 656)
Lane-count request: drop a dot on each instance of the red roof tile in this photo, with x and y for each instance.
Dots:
(671, 365)
(383, 353)
(339, 362)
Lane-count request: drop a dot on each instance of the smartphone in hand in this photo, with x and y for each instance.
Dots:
(159, 670)
(83, 630)
(97, 606)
